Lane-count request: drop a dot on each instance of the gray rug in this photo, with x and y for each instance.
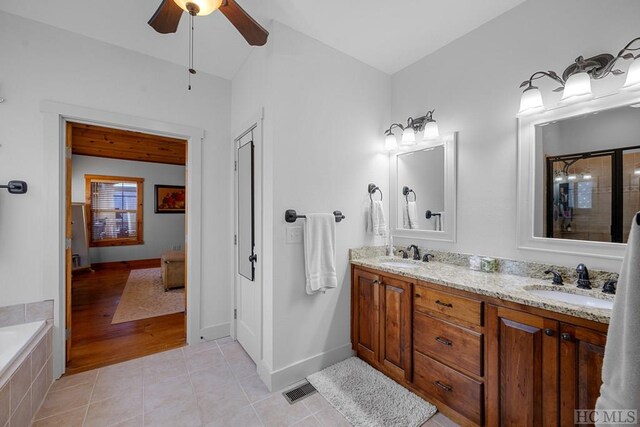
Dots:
(366, 397)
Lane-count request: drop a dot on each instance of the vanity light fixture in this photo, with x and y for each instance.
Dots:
(425, 125)
(575, 82)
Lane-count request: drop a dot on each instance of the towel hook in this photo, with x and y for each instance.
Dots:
(406, 190)
(372, 189)
(638, 218)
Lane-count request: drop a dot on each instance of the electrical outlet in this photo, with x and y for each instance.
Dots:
(294, 235)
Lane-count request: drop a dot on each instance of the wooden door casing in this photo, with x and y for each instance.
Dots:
(68, 235)
(581, 360)
(365, 315)
(523, 359)
(395, 327)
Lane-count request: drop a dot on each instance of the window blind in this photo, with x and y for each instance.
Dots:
(114, 210)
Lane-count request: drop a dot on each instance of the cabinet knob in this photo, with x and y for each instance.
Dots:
(548, 332)
(443, 386)
(565, 336)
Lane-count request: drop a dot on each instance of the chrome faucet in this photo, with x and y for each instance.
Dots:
(416, 252)
(583, 277)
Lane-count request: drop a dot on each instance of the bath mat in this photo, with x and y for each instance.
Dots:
(366, 397)
(144, 297)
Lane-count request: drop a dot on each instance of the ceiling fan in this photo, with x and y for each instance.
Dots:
(168, 15)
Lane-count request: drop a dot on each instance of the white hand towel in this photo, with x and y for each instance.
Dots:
(410, 216)
(377, 223)
(320, 252)
(621, 371)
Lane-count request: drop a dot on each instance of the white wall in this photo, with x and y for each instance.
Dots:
(161, 232)
(40, 62)
(324, 120)
(473, 85)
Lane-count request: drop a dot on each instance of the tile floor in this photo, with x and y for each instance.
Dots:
(207, 384)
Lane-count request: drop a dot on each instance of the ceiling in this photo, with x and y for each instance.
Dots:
(388, 35)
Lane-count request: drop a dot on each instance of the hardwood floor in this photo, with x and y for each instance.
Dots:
(96, 342)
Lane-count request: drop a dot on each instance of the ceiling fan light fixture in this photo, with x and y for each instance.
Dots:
(199, 7)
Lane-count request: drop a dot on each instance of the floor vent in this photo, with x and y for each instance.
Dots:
(299, 393)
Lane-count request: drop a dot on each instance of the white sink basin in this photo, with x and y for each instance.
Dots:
(398, 264)
(575, 299)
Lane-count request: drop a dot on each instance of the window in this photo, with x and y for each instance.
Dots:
(115, 210)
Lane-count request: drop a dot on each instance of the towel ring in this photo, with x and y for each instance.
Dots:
(406, 190)
(372, 189)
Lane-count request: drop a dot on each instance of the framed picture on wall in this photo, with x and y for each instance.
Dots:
(170, 198)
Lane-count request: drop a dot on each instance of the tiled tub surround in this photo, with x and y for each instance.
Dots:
(25, 383)
(505, 285)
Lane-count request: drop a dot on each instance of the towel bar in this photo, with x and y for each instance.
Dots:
(290, 215)
(372, 189)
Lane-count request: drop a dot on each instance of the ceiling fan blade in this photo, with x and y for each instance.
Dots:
(253, 32)
(166, 18)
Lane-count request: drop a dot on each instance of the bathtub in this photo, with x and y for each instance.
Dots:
(15, 339)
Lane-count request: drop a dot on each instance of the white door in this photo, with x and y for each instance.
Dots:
(248, 302)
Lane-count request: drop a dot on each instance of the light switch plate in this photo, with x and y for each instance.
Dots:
(294, 235)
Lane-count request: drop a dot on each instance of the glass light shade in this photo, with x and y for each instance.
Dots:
(431, 130)
(531, 101)
(206, 6)
(577, 87)
(390, 142)
(633, 76)
(408, 136)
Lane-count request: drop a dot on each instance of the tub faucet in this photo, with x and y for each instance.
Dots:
(583, 277)
(416, 252)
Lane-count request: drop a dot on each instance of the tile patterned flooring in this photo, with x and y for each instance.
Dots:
(208, 384)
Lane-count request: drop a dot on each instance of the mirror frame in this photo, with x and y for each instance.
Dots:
(449, 217)
(529, 174)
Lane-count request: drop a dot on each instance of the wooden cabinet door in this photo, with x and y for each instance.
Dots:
(364, 315)
(395, 328)
(581, 359)
(523, 369)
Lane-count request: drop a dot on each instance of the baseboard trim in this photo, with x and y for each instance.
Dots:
(281, 378)
(214, 332)
(127, 265)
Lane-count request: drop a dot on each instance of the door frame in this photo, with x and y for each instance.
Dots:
(257, 127)
(55, 117)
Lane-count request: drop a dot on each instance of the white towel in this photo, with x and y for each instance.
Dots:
(410, 216)
(376, 222)
(621, 371)
(320, 252)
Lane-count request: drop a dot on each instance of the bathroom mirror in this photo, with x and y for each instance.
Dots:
(579, 176)
(423, 190)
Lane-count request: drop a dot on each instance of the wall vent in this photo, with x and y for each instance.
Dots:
(299, 393)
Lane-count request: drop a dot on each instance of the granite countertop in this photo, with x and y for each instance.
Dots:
(503, 286)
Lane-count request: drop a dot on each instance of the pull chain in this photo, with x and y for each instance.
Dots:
(191, 69)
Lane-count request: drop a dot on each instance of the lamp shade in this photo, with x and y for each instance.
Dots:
(206, 6)
(531, 101)
(408, 136)
(431, 130)
(390, 142)
(633, 76)
(577, 87)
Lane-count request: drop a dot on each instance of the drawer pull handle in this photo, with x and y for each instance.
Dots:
(444, 386)
(418, 295)
(444, 304)
(444, 341)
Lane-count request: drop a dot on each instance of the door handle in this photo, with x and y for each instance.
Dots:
(253, 258)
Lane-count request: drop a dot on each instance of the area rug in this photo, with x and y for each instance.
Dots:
(144, 297)
(366, 397)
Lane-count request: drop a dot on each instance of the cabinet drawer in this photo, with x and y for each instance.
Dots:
(450, 305)
(459, 392)
(454, 345)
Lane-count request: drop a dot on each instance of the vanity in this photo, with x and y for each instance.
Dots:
(480, 346)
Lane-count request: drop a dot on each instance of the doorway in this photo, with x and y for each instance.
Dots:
(248, 239)
(125, 264)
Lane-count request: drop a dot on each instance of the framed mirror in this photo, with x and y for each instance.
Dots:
(423, 190)
(579, 177)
